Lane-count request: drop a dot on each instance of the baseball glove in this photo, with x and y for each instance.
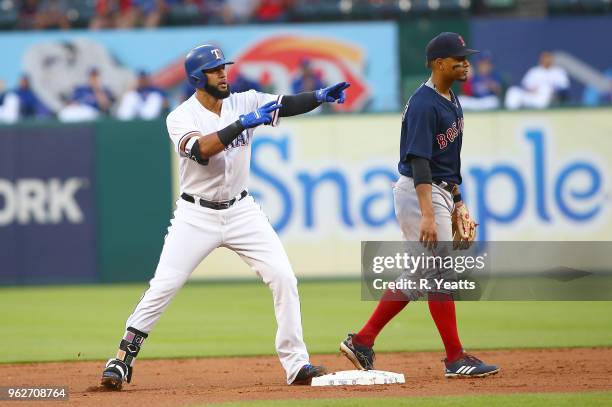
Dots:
(464, 227)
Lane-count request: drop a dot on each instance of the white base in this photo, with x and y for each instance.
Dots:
(358, 378)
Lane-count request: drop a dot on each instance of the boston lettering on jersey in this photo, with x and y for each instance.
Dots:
(450, 135)
(432, 128)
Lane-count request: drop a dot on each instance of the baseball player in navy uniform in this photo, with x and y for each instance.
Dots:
(428, 204)
(212, 132)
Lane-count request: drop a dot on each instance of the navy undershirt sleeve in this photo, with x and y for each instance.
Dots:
(421, 171)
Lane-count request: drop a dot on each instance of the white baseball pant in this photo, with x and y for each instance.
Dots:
(196, 231)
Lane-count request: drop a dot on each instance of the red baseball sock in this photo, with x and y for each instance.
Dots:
(442, 309)
(389, 306)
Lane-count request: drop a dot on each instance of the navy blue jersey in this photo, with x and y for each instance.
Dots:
(432, 128)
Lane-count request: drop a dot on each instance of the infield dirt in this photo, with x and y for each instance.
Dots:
(181, 382)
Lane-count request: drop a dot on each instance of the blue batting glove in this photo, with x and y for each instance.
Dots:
(332, 93)
(263, 115)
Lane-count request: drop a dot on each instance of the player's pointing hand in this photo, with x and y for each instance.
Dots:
(262, 115)
(332, 93)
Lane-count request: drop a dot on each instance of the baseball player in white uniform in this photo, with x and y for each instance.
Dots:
(212, 132)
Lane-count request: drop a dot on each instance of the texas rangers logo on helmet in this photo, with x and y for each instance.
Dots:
(216, 52)
(462, 40)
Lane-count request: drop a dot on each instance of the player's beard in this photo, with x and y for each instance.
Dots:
(216, 93)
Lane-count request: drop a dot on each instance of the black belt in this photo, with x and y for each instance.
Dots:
(447, 186)
(212, 204)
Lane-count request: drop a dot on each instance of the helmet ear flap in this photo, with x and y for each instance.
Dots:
(198, 81)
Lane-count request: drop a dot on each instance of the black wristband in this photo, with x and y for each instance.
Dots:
(457, 198)
(229, 133)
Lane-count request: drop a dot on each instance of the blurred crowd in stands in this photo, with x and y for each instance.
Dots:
(544, 85)
(42, 14)
(98, 14)
(89, 101)
(144, 100)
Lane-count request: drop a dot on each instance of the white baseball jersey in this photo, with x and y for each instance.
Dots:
(227, 173)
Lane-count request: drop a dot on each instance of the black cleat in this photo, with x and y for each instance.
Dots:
(114, 374)
(468, 366)
(306, 373)
(362, 356)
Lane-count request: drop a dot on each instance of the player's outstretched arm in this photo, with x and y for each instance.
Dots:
(199, 148)
(306, 101)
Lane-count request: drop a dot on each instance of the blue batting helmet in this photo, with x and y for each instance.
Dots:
(201, 59)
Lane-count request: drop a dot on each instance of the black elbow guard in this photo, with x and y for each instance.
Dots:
(421, 171)
(192, 149)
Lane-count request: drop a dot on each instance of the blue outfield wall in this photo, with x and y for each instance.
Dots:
(47, 187)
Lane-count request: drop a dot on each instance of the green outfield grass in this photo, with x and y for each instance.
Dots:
(523, 400)
(214, 319)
